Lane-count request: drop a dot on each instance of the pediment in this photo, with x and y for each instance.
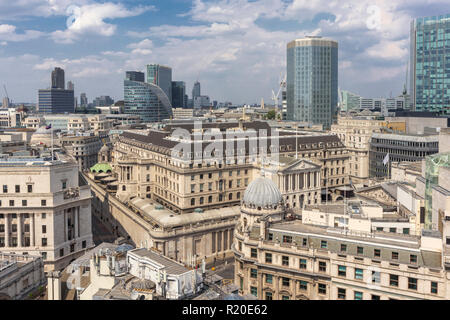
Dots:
(299, 166)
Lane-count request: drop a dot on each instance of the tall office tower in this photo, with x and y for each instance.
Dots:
(70, 85)
(83, 100)
(147, 100)
(349, 100)
(103, 101)
(196, 90)
(312, 80)
(58, 79)
(162, 77)
(5, 103)
(178, 93)
(56, 101)
(429, 61)
(135, 76)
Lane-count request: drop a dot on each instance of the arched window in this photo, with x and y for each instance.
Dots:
(124, 188)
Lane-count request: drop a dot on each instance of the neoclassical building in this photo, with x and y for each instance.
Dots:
(280, 258)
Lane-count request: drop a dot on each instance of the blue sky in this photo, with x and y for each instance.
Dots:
(235, 48)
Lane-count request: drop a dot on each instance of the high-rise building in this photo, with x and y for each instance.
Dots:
(83, 100)
(429, 60)
(196, 90)
(135, 76)
(147, 100)
(103, 101)
(349, 101)
(5, 103)
(70, 85)
(58, 79)
(178, 93)
(56, 101)
(312, 80)
(162, 77)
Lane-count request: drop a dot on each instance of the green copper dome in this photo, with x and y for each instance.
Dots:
(101, 167)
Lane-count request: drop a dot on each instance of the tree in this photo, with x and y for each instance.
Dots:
(271, 114)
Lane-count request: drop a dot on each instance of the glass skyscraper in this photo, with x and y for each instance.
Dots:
(312, 80)
(178, 93)
(430, 64)
(162, 77)
(56, 101)
(147, 100)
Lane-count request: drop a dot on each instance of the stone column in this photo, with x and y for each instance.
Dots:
(76, 225)
(19, 230)
(7, 229)
(32, 230)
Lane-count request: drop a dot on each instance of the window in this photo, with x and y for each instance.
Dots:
(302, 263)
(394, 255)
(303, 285)
(341, 293)
(11, 203)
(342, 271)
(285, 260)
(375, 297)
(44, 242)
(377, 253)
(14, 227)
(17, 188)
(269, 278)
(284, 297)
(393, 280)
(322, 266)
(43, 215)
(254, 253)
(193, 202)
(268, 295)
(268, 258)
(359, 274)
(44, 255)
(43, 203)
(253, 273)
(343, 247)
(304, 243)
(323, 244)
(254, 291)
(285, 282)
(270, 237)
(412, 283)
(24, 203)
(393, 230)
(2, 228)
(5, 189)
(44, 228)
(322, 288)
(83, 244)
(405, 230)
(413, 259)
(434, 287)
(72, 247)
(64, 185)
(61, 252)
(358, 295)
(375, 277)
(360, 250)
(30, 188)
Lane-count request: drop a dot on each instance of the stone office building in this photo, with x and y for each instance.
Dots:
(284, 259)
(45, 210)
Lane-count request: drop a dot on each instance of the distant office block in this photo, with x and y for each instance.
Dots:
(162, 77)
(135, 76)
(178, 93)
(58, 79)
(56, 101)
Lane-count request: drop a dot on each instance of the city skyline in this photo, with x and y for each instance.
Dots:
(95, 43)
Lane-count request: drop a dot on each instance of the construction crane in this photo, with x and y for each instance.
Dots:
(275, 97)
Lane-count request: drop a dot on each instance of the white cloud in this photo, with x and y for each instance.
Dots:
(90, 19)
(8, 33)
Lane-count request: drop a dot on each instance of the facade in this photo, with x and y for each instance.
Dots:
(84, 149)
(103, 101)
(201, 102)
(146, 100)
(160, 76)
(428, 59)
(56, 100)
(20, 275)
(285, 259)
(58, 81)
(178, 93)
(10, 117)
(349, 101)
(135, 76)
(355, 132)
(312, 80)
(45, 211)
(182, 113)
(83, 100)
(400, 147)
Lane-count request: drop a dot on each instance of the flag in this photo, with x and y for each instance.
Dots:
(386, 159)
(48, 127)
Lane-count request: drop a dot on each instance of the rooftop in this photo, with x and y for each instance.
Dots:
(170, 266)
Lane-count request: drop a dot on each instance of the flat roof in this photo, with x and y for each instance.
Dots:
(170, 266)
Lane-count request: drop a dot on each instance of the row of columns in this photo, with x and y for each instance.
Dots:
(299, 181)
(19, 229)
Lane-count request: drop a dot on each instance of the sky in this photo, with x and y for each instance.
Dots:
(235, 48)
